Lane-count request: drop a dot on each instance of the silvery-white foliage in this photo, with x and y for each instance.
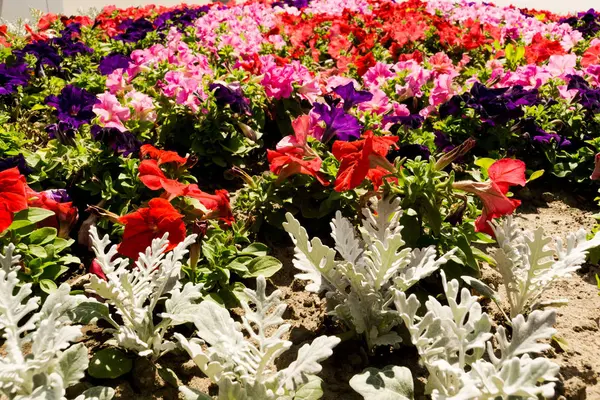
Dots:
(452, 340)
(530, 261)
(243, 366)
(359, 284)
(39, 360)
(135, 292)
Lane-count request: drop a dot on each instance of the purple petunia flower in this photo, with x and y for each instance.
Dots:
(442, 142)
(134, 30)
(352, 96)
(292, 3)
(337, 123)
(15, 161)
(73, 105)
(69, 42)
(58, 195)
(112, 62)
(123, 143)
(45, 54)
(539, 135)
(230, 95)
(63, 131)
(181, 18)
(12, 77)
(500, 105)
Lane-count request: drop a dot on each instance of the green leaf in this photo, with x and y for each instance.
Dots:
(311, 390)
(168, 375)
(47, 285)
(42, 236)
(30, 216)
(37, 251)
(265, 266)
(484, 163)
(390, 383)
(109, 364)
(535, 175)
(255, 249)
(89, 311)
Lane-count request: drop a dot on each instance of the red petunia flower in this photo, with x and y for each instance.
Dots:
(591, 56)
(146, 224)
(96, 269)
(13, 195)
(292, 161)
(596, 173)
(154, 178)
(65, 214)
(503, 173)
(162, 156)
(541, 49)
(46, 21)
(217, 203)
(363, 159)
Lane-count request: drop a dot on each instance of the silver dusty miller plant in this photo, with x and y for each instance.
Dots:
(452, 339)
(50, 364)
(360, 283)
(529, 261)
(243, 366)
(135, 292)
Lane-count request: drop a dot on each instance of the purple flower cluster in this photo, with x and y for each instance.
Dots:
(539, 135)
(69, 42)
(587, 22)
(588, 97)
(134, 30)
(179, 18)
(12, 77)
(44, 52)
(494, 105)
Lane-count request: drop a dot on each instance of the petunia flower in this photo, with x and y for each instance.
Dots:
(162, 156)
(12, 77)
(337, 123)
(123, 143)
(146, 224)
(230, 94)
(65, 214)
(110, 112)
(362, 159)
(73, 105)
(154, 178)
(218, 203)
(13, 196)
(294, 161)
(351, 96)
(112, 62)
(503, 174)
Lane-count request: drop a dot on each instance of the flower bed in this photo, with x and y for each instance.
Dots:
(399, 136)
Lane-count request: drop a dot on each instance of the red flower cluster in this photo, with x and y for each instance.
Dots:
(4, 36)
(541, 49)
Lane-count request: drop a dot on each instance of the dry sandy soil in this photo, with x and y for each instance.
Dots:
(578, 325)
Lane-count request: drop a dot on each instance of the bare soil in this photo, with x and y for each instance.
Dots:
(578, 326)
